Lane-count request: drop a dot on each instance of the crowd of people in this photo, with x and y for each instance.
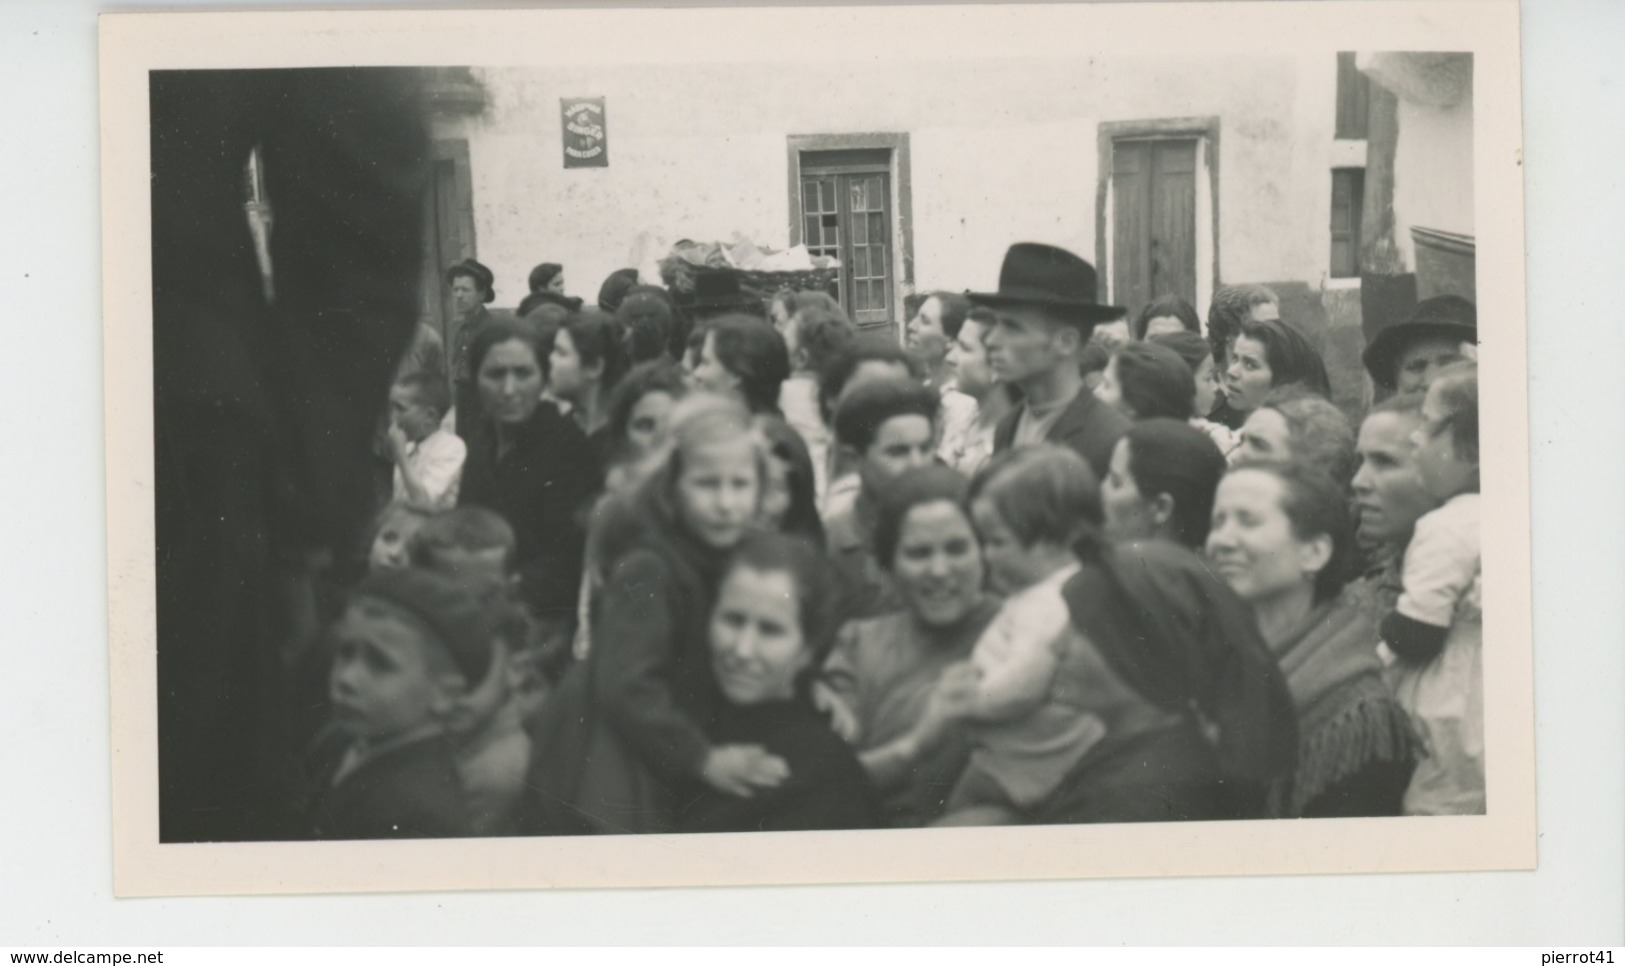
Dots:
(717, 565)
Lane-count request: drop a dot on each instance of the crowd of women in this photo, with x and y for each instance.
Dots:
(721, 565)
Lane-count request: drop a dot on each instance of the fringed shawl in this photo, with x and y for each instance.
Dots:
(1347, 718)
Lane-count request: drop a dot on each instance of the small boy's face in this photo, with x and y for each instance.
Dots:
(384, 680)
(389, 548)
(902, 443)
(1444, 474)
(416, 419)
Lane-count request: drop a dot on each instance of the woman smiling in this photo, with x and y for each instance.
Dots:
(1281, 539)
(885, 670)
(767, 634)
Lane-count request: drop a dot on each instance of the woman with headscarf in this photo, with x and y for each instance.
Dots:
(529, 463)
(1267, 355)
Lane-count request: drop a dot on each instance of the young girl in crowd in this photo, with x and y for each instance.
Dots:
(623, 737)
(768, 633)
(1030, 505)
(1437, 629)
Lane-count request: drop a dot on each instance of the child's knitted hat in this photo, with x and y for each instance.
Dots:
(463, 627)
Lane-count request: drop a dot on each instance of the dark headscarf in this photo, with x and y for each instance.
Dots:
(1293, 359)
(615, 287)
(1181, 638)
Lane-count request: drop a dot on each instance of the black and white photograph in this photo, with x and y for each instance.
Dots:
(860, 443)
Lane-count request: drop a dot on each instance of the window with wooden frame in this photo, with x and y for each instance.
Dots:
(1353, 99)
(1348, 197)
(846, 213)
(849, 199)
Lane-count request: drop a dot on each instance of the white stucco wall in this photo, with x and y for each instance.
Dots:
(1433, 171)
(1002, 150)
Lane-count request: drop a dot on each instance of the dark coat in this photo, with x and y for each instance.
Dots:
(407, 792)
(540, 487)
(465, 395)
(627, 727)
(827, 788)
(265, 410)
(1087, 426)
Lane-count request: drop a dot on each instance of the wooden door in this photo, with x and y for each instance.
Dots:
(445, 242)
(1153, 220)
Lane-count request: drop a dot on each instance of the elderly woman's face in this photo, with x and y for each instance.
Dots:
(510, 380)
(1252, 546)
(757, 647)
(938, 564)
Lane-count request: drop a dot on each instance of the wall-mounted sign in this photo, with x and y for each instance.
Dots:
(585, 142)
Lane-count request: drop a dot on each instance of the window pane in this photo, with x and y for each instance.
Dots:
(860, 234)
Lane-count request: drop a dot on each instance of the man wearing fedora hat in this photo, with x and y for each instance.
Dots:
(1046, 310)
(472, 288)
(1405, 357)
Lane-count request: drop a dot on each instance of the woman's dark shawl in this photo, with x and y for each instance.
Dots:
(1180, 637)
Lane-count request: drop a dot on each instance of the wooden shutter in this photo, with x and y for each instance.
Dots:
(1348, 197)
(1353, 99)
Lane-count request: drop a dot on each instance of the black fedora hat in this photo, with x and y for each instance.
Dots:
(482, 276)
(721, 290)
(1050, 277)
(1448, 317)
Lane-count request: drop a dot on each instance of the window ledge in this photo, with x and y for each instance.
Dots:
(1340, 284)
(1348, 154)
